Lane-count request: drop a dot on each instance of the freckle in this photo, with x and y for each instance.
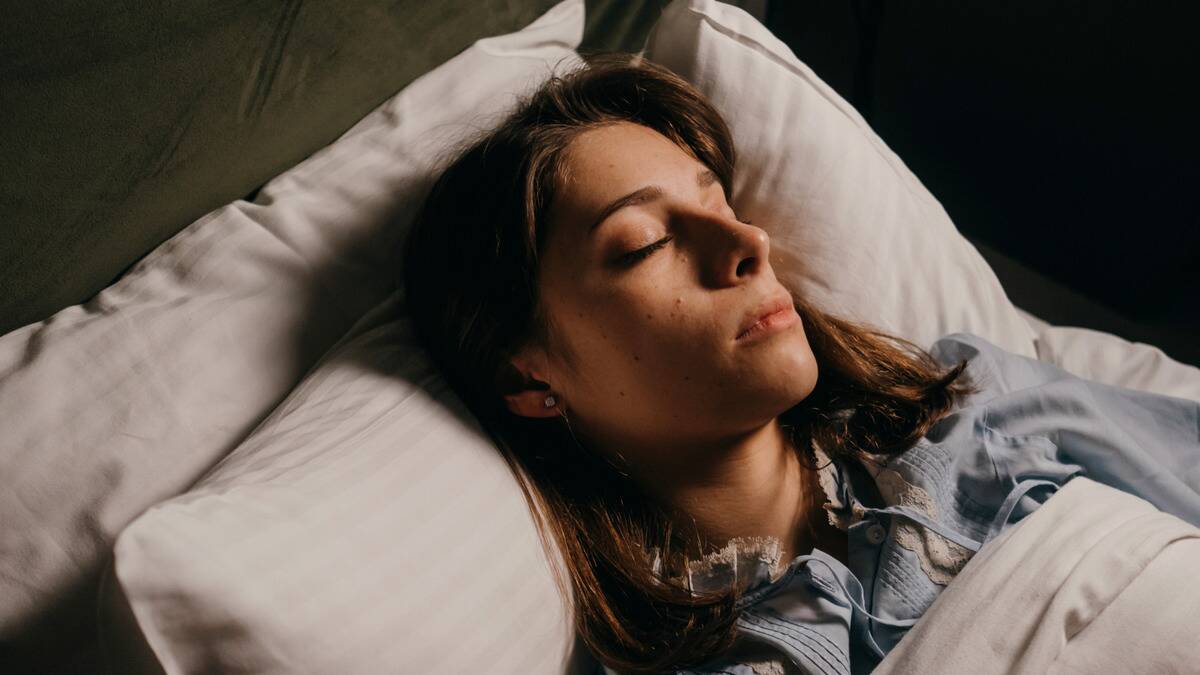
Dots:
(649, 316)
(635, 357)
(679, 301)
(687, 377)
(622, 393)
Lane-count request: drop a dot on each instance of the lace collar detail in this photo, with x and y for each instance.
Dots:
(841, 508)
(743, 561)
(752, 561)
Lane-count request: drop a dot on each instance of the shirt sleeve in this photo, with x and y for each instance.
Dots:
(1142, 443)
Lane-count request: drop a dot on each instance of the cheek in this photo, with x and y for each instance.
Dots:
(672, 339)
(638, 333)
(623, 342)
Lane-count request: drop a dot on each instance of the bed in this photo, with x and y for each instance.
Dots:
(222, 453)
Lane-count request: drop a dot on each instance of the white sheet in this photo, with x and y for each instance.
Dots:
(1111, 359)
(1095, 580)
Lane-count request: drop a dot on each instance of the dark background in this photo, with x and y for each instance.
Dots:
(1059, 135)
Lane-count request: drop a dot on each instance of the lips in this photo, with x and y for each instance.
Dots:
(771, 306)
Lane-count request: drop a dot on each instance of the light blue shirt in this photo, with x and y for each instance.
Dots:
(993, 460)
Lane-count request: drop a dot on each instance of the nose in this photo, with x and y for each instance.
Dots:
(733, 252)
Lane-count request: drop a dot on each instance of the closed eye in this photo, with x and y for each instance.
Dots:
(630, 259)
(637, 256)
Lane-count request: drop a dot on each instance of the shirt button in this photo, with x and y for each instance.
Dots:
(876, 534)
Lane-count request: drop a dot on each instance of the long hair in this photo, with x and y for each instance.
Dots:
(470, 269)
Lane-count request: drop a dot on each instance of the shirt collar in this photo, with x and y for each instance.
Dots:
(841, 505)
(752, 561)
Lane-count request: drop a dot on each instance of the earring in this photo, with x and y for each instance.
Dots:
(550, 401)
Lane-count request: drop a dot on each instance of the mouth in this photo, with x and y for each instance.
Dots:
(776, 313)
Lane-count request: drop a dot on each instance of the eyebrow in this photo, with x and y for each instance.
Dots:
(704, 178)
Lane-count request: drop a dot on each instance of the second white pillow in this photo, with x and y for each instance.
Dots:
(851, 227)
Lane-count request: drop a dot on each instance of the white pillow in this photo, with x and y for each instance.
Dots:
(113, 405)
(368, 526)
(851, 227)
(1111, 359)
(1104, 357)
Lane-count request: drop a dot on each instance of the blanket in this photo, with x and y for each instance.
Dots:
(1095, 580)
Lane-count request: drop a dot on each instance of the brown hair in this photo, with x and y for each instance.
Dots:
(470, 271)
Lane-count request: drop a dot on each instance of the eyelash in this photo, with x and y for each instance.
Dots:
(643, 253)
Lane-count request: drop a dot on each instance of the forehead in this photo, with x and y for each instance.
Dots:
(623, 149)
(609, 161)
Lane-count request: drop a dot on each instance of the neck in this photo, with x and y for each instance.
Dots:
(756, 487)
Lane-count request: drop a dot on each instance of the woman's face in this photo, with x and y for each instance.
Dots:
(645, 356)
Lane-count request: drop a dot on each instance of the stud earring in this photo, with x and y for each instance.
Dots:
(550, 401)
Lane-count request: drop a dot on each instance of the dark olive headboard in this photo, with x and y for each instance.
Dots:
(123, 123)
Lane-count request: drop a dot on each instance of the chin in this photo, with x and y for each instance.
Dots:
(791, 385)
(804, 373)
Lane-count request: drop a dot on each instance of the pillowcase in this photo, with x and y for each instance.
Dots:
(368, 526)
(126, 400)
(851, 227)
(1104, 357)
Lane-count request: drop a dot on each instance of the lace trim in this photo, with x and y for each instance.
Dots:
(940, 558)
(745, 559)
(841, 515)
(742, 560)
(769, 667)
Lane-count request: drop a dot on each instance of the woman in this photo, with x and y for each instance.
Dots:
(731, 474)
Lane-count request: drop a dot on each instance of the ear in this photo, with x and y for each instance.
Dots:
(527, 390)
(531, 403)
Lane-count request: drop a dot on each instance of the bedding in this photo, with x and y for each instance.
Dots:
(1108, 358)
(165, 372)
(367, 526)
(1096, 580)
(1111, 359)
(311, 541)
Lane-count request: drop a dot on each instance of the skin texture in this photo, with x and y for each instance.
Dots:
(643, 358)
